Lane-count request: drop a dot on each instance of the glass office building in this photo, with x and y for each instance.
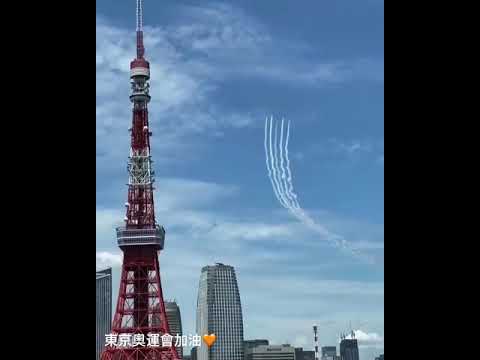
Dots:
(219, 312)
(103, 307)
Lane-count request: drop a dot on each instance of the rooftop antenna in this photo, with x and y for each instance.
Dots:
(352, 332)
(315, 334)
(140, 48)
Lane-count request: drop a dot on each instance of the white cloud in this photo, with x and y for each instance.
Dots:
(239, 45)
(218, 27)
(108, 219)
(174, 194)
(366, 339)
(106, 259)
(190, 59)
(181, 88)
(305, 74)
(317, 288)
(198, 210)
(177, 81)
(353, 147)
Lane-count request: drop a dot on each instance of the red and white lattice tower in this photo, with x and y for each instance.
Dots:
(140, 306)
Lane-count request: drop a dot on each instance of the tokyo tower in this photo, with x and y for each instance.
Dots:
(140, 311)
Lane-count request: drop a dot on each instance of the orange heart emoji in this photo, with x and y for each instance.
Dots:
(209, 339)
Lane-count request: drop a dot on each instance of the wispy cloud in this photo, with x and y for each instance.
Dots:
(352, 147)
(180, 92)
(236, 44)
(198, 210)
(108, 259)
(366, 339)
(181, 194)
(206, 46)
(347, 149)
(218, 28)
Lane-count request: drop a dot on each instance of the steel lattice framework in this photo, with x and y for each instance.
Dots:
(140, 306)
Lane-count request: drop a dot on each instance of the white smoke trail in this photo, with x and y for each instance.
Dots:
(284, 175)
(267, 158)
(289, 173)
(285, 196)
(274, 171)
(277, 169)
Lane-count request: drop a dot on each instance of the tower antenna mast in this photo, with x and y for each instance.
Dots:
(140, 47)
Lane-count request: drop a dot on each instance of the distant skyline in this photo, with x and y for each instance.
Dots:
(218, 69)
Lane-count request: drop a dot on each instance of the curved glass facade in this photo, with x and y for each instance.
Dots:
(219, 312)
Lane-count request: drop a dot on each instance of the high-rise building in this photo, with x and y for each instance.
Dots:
(248, 345)
(308, 355)
(175, 321)
(329, 353)
(219, 312)
(298, 353)
(103, 307)
(271, 352)
(349, 349)
(301, 354)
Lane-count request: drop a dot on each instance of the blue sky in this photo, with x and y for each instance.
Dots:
(218, 69)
